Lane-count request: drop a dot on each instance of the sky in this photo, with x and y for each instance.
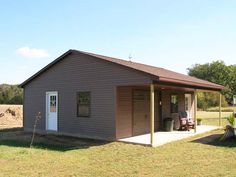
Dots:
(173, 34)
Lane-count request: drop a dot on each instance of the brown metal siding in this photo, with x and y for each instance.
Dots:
(124, 112)
(124, 119)
(79, 72)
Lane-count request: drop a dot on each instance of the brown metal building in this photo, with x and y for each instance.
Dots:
(94, 96)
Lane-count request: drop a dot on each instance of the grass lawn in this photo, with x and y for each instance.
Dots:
(202, 155)
(212, 118)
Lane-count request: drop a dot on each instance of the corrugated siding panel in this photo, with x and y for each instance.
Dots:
(79, 72)
(124, 112)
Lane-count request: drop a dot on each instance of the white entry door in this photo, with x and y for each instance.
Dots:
(188, 104)
(51, 110)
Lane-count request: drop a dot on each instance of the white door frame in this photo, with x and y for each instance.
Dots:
(47, 113)
(189, 112)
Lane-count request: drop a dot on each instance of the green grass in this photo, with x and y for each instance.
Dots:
(223, 109)
(212, 118)
(197, 156)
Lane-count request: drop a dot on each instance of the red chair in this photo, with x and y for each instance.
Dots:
(186, 123)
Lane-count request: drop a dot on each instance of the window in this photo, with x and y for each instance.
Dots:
(174, 104)
(53, 103)
(83, 104)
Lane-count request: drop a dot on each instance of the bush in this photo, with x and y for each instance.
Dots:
(207, 100)
(231, 120)
(11, 94)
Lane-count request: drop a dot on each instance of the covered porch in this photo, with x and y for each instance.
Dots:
(142, 109)
(161, 137)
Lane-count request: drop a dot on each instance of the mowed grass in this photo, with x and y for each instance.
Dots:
(202, 155)
(212, 118)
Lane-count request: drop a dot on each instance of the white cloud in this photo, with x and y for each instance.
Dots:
(32, 52)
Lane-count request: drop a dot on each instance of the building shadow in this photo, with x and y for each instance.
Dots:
(11, 129)
(215, 140)
(16, 137)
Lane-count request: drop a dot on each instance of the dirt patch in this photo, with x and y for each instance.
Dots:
(11, 116)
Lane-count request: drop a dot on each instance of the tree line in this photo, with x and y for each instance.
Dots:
(219, 73)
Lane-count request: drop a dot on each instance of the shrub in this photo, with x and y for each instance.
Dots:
(231, 120)
(209, 99)
(11, 94)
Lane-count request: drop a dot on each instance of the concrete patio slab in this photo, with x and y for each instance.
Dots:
(161, 138)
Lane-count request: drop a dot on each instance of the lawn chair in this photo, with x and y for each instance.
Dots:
(186, 122)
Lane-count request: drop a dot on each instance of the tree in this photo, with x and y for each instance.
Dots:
(218, 73)
(11, 94)
(232, 81)
(209, 99)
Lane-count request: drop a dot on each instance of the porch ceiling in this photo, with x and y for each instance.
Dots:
(161, 87)
(176, 88)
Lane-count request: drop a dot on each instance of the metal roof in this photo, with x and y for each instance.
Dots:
(163, 75)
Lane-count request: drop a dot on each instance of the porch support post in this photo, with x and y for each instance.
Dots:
(152, 92)
(220, 97)
(195, 111)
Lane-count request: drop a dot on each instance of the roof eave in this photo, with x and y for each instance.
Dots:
(214, 87)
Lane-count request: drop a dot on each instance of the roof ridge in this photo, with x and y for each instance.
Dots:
(90, 53)
(147, 65)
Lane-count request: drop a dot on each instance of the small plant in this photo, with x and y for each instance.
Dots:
(199, 121)
(37, 118)
(229, 129)
(231, 120)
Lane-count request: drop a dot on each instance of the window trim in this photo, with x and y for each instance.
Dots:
(171, 110)
(77, 104)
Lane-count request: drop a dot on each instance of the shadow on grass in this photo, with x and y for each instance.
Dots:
(16, 143)
(214, 140)
(46, 146)
(15, 137)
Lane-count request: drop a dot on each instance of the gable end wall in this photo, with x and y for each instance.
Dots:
(80, 72)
